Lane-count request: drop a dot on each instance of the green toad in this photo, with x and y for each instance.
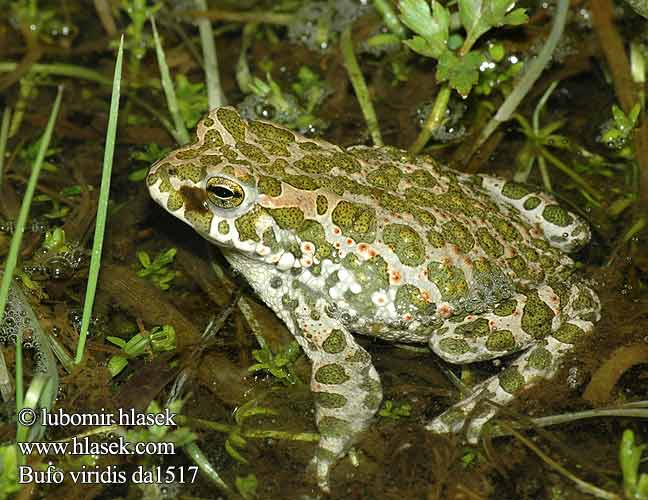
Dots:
(373, 241)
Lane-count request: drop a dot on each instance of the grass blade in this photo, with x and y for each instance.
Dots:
(102, 206)
(215, 93)
(181, 134)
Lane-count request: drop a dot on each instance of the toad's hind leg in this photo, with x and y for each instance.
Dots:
(563, 229)
(538, 362)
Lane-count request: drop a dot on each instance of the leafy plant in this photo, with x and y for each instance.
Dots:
(8, 471)
(155, 433)
(279, 364)
(159, 339)
(394, 410)
(192, 100)
(617, 131)
(156, 270)
(247, 486)
(457, 63)
(151, 153)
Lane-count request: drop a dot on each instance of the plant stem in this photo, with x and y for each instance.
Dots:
(390, 18)
(570, 173)
(215, 93)
(102, 206)
(360, 86)
(433, 121)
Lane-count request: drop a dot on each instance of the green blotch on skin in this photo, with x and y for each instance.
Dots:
(330, 400)
(314, 164)
(272, 133)
(213, 139)
(386, 177)
(277, 168)
(223, 227)
(356, 220)
(422, 178)
(252, 152)
(335, 342)
(489, 244)
(331, 374)
(450, 280)
(556, 215)
(191, 171)
(435, 239)
(505, 229)
(360, 356)
(477, 328)
(540, 359)
(409, 297)
(246, 224)
(423, 217)
(303, 182)
(175, 201)
(531, 203)
(322, 204)
(405, 243)
(511, 380)
(187, 154)
(345, 162)
(458, 234)
(287, 217)
(313, 231)
(514, 191)
(500, 340)
(210, 160)
(569, 333)
(454, 346)
(519, 266)
(308, 146)
(232, 122)
(333, 426)
(536, 316)
(199, 220)
(269, 186)
(506, 308)
(208, 122)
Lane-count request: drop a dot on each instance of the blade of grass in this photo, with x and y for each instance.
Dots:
(360, 87)
(215, 93)
(4, 134)
(181, 134)
(102, 206)
(14, 246)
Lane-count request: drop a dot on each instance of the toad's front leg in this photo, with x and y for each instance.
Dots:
(345, 385)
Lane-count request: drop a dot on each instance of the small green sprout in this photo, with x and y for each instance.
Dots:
(150, 154)
(310, 88)
(235, 440)
(394, 410)
(247, 486)
(27, 155)
(617, 131)
(159, 339)
(156, 270)
(55, 241)
(635, 485)
(192, 100)
(279, 365)
(468, 458)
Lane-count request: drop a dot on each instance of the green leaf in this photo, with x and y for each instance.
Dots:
(461, 73)
(116, 364)
(478, 16)
(432, 27)
(117, 341)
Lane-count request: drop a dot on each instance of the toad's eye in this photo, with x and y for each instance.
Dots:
(224, 193)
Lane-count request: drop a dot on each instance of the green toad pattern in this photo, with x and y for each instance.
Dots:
(376, 242)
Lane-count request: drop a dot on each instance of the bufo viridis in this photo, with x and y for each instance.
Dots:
(374, 241)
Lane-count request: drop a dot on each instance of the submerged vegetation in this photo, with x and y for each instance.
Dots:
(105, 303)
